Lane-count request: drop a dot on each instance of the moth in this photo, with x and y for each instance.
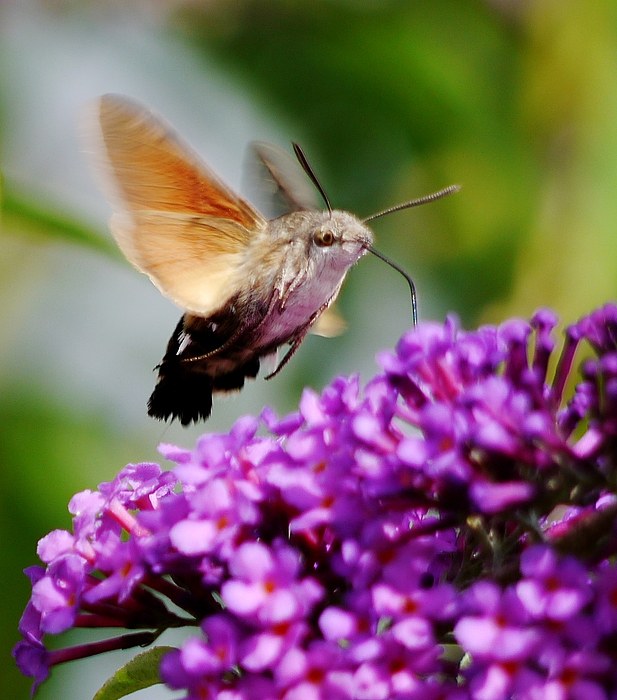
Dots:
(247, 285)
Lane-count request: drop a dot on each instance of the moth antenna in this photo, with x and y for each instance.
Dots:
(306, 166)
(415, 202)
(412, 286)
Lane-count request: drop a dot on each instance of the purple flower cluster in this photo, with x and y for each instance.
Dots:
(448, 532)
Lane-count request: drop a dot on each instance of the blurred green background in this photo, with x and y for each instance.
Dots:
(514, 99)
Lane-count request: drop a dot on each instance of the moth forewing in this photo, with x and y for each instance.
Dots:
(153, 170)
(175, 220)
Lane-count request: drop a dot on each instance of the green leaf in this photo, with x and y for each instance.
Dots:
(21, 213)
(140, 672)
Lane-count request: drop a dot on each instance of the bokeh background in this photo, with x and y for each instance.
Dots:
(514, 99)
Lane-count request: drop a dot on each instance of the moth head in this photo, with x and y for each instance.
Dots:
(348, 238)
(338, 238)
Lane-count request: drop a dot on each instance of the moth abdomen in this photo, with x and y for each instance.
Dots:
(192, 369)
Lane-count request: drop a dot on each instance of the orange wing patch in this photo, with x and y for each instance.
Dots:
(154, 170)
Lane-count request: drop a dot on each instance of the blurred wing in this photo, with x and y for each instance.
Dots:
(329, 324)
(195, 261)
(175, 220)
(276, 182)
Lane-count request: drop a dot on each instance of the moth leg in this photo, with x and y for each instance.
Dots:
(285, 291)
(300, 335)
(222, 348)
(288, 355)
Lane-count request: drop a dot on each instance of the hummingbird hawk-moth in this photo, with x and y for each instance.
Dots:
(248, 285)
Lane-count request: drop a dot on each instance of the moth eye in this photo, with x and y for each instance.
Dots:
(324, 239)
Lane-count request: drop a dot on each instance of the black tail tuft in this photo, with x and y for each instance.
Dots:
(184, 395)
